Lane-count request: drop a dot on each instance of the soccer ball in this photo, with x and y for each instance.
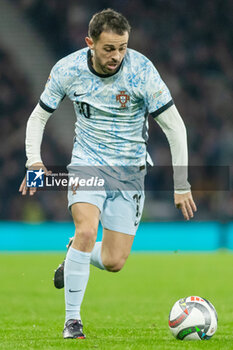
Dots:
(193, 318)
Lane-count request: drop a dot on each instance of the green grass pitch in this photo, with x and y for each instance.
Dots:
(124, 310)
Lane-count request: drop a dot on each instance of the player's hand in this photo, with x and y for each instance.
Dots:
(186, 204)
(23, 188)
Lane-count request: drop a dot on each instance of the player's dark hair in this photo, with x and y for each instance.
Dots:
(107, 20)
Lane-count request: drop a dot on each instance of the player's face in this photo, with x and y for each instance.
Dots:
(108, 51)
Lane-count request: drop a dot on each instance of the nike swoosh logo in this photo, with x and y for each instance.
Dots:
(76, 95)
(74, 291)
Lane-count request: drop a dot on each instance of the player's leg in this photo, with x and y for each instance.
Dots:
(96, 198)
(112, 252)
(95, 260)
(116, 247)
(77, 265)
(109, 254)
(120, 219)
(120, 215)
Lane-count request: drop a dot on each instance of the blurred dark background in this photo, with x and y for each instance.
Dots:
(189, 42)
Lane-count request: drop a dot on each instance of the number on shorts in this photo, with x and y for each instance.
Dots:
(137, 198)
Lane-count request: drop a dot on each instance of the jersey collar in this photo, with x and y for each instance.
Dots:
(89, 63)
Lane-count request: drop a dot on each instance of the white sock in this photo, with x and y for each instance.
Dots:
(96, 256)
(76, 275)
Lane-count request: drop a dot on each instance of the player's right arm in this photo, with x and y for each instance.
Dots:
(34, 134)
(49, 101)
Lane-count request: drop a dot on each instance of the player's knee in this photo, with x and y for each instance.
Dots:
(86, 234)
(114, 264)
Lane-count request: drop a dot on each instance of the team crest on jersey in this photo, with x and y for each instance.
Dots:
(123, 98)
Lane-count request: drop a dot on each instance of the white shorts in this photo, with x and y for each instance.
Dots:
(120, 209)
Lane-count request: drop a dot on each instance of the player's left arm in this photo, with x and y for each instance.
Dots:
(161, 106)
(173, 126)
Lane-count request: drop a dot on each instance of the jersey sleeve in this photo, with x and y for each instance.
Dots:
(53, 93)
(158, 97)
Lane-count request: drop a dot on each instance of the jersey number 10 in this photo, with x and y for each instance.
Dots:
(84, 109)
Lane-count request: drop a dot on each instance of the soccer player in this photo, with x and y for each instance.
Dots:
(113, 90)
